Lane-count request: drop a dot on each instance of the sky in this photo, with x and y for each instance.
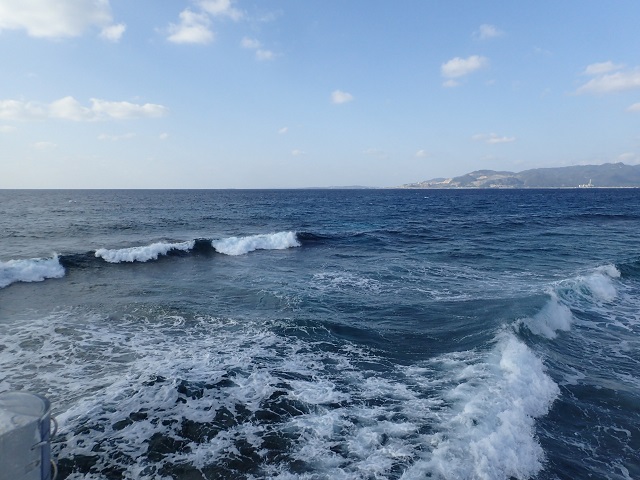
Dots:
(308, 93)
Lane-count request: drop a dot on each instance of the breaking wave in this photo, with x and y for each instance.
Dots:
(242, 245)
(556, 315)
(30, 270)
(142, 254)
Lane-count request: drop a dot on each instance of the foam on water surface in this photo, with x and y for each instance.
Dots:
(164, 395)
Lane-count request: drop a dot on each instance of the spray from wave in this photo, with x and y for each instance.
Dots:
(30, 270)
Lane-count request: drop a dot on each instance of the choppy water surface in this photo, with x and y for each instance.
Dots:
(328, 334)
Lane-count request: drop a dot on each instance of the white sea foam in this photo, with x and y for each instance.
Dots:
(242, 245)
(30, 270)
(143, 253)
(116, 385)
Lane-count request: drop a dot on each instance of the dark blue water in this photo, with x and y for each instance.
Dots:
(316, 334)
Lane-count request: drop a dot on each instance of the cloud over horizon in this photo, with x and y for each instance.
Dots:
(68, 108)
(492, 138)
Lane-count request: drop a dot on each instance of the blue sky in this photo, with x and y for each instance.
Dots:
(297, 93)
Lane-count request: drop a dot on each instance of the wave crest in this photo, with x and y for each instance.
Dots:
(143, 253)
(30, 270)
(556, 314)
(242, 245)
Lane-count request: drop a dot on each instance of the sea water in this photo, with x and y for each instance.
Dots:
(328, 334)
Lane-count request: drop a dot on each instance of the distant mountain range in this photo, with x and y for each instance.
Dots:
(586, 176)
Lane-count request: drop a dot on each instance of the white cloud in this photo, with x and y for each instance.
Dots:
(283, 130)
(459, 67)
(450, 83)
(634, 108)
(193, 28)
(68, 108)
(298, 153)
(125, 110)
(7, 129)
(163, 136)
(612, 82)
(338, 97)
(116, 138)
(422, 154)
(221, 8)
(45, 146)
(113, 33)
(487, 31)
(17, 110)
(492, 138)
(54, 19)
(601, 68)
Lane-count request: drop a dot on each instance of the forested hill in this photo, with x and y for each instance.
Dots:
(606, 175)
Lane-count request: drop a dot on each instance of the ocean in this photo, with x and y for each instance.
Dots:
(327, 334)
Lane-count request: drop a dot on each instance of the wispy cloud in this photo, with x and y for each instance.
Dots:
(194, 26)
(221, 8)
(283, 130)
(116, 138)
(610, 78)
(298, 153)
(421, 154)
(339, 97)
(59, 19)
(7, 129)
(68, 108)
(376, 153)
(634, 108)
(486, 31)
(43, 146)
(492, 138)
(459, 67)
(602, 68)
(261, 53)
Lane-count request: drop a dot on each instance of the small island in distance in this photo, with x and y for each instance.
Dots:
(608, 175)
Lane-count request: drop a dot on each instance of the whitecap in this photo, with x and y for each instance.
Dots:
(242, 245)
(143, 253)
(30, 270)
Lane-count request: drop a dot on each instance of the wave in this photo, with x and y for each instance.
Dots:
(39, 269)
(242, 245)
(30, 270)
(489, 429)
(142, 254)
(556, 315)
